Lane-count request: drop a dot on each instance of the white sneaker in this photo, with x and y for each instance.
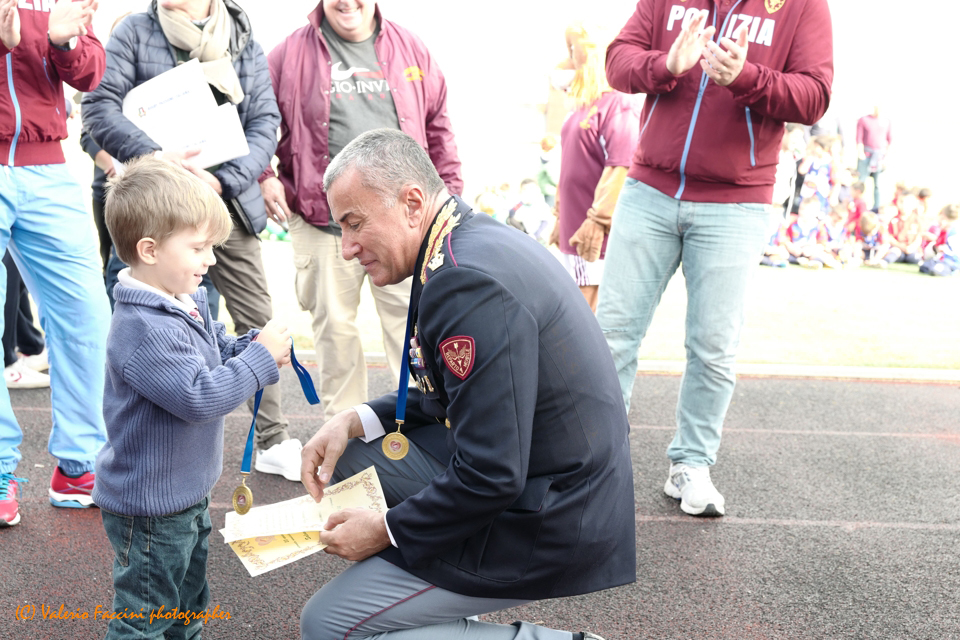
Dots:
(39, 362)
(694, 489)
(20, 376)
(281, 459)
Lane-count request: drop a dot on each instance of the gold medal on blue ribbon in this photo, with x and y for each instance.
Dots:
(242, 497)
(395, 445)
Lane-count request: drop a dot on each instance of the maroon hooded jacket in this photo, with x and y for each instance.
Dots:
(706, 143)
(300, 70)
(32, 117)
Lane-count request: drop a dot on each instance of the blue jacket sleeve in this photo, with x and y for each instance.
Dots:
(102, 108)
(167, 370)
(261, 118)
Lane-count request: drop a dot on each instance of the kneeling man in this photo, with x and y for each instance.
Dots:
(510, 480)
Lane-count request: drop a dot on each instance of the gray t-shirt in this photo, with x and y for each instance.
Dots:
(360, 98)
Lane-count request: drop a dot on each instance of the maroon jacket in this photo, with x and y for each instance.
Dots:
(300, 71)
(706, 143)
(32, 117)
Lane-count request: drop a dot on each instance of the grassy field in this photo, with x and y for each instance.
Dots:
(859, 317)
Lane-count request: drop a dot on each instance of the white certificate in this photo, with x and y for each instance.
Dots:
(178, 111)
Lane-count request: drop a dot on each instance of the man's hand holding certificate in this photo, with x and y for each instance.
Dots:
(273, 535)
(178, 111)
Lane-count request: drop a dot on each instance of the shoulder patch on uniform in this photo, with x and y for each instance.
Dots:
(459, 353)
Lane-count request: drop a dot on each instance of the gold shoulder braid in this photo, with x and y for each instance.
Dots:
(445, 223)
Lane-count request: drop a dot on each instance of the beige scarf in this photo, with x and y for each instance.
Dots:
(211, 45)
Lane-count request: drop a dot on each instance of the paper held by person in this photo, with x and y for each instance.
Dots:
(178, 111)
(273, 535)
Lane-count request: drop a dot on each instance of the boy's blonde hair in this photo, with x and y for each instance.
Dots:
(868, 222)
(950, 212)
(155, 199)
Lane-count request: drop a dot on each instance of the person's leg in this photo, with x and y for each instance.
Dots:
(643, 253)
(329, 288)
(392, 303)
(194, 590)
(29, 340)
(11, 310)
(111, 273)
(720, 246)
(106, 242)
(158, 562)
(241, 279)
(12, 192)
(54, 246)
(876, 189)
(399, 479)
(590, 294)
(375, 600)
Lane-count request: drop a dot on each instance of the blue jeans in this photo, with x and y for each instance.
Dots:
(719, 246)
(159, 561)
(53, 245)
(863, 171)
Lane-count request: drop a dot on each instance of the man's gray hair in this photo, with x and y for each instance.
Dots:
(387, 160)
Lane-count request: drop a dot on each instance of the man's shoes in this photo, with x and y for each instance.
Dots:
(39, 362)
(71, 492)
(281, 459)
(9, 499)
(694, 489)
(20, 376)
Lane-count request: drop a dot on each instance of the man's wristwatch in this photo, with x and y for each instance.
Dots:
(69, 46)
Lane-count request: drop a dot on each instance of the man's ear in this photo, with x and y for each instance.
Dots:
(413, 197)
(147, 250)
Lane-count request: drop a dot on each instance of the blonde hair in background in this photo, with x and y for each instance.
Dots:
(590, 80)
(155, 199)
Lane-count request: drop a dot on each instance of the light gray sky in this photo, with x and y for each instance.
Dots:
(496, 56)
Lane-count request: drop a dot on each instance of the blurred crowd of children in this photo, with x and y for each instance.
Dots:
(825, 221)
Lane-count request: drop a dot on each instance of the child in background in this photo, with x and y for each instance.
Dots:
(946, 248)
(172, 375)
(923, 204)
(803, 238)
(932, 234)
(855, 207)
(775, 253)
(834, 235)
(904, 231)
(817, 171)
(870, 240)
(532, 215)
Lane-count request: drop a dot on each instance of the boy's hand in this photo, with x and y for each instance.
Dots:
(275, 336)
(69, 19)
(9, 23)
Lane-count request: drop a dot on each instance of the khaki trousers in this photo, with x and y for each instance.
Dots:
(329, 288)
(241, 280)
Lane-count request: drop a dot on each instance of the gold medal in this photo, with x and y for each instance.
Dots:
(243, 497)
(395, 445)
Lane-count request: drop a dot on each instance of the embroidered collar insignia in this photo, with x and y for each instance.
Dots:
(446, 221)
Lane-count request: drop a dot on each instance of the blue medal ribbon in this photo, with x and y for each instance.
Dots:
(309, 391)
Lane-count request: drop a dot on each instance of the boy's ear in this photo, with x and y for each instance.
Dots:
(147, 250)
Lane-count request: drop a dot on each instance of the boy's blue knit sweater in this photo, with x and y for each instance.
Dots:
(169, 383)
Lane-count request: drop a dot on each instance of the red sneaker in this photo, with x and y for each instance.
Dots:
(9, 499)
(71, 492)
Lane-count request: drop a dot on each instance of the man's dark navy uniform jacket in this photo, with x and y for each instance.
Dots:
(517, 392)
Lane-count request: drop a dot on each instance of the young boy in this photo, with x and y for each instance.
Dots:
(855, 207)
(945, 260)
(803, 238)
(870, 240)
(172, 375)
